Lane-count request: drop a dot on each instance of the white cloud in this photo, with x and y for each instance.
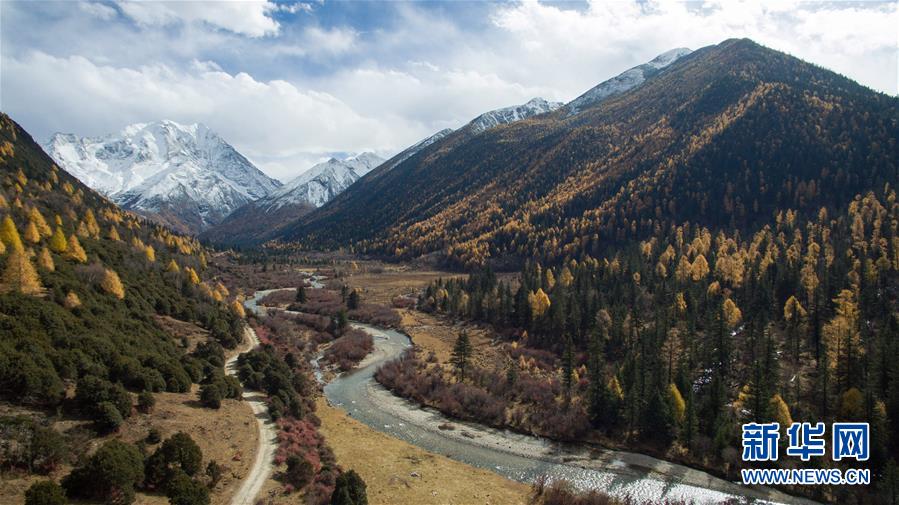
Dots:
(278, 126)
(245, 17)
(98, 10)
(288, 95)
(856, 39)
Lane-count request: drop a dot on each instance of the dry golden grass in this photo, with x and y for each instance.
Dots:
(387, 464)
(222, 434)
(438, 335)
(183, 330)
(381, 286)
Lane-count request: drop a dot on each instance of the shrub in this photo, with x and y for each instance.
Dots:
(211, 396)
(145, 402)
(177, 453)
(182, 490)
(28, 445)
(214, 471)
(108, 418)
(153, 436)
(111, 473)
(299, 472)
(348, 350)
(349, 490)
(45, 492)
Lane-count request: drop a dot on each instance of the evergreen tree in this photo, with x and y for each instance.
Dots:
(461, 355)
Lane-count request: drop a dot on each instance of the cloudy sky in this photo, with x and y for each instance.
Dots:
(289, 83)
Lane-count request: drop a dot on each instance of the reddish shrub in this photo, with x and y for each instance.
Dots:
(348, 350)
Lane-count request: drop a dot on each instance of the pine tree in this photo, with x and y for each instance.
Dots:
(461, 355)
(353, 300)
(301, 294)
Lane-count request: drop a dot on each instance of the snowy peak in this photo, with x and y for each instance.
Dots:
(505, 115)
(322, 182)
(186, 175)
(625, 81)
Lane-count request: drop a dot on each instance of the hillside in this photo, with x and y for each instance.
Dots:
(184, 176)
(83, 285)
(724, 136)
(262, 219)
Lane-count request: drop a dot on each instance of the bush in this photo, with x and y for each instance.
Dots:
(182, 490)
(299, 472)
(108, 418)
(45, 492)
(111, 473)
(211, 396)
(348, 350)
(145, 402)
(29, 446)
(153, 436)
(177, 453)
(93, 391)
(214, 471)
(349, 490)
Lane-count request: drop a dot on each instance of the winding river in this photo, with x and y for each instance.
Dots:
(517, 456)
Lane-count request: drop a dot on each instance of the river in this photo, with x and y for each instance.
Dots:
(517, 456)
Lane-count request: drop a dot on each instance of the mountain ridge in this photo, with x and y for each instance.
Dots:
(185, 176)
(566, 180)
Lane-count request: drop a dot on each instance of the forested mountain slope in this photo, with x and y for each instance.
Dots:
(723, 137)
(82, 285)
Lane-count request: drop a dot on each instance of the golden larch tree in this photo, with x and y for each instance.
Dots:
(45, 260)
(58, 241)
(74, 251)
(10, 235)
(31, 235)
(20, 275)
(112, 284)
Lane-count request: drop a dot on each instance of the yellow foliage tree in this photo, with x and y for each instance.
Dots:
(780, 411)
(150, 253)
(192, 275)
(565, 278)
(20, 275)
(172, 267)
(731, 312)
(237, 308)
(72, 301)
(539, 302)
(549, 280)
(10, 235)
(841, 334)
(700, 268)
(90, 222)
(45, 260)
(2, 248)
(58, 241)
(112, 284)
(113, 234)
(615, 388)
(35, 216)
(678, 406)
(31, 234)
(74, 251)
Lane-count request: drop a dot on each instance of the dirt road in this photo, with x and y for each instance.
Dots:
(262, 465)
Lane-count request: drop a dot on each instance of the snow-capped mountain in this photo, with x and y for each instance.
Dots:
(183, 175)
(625, 80)
(258, 220)
(322, 182)
(505, 115)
